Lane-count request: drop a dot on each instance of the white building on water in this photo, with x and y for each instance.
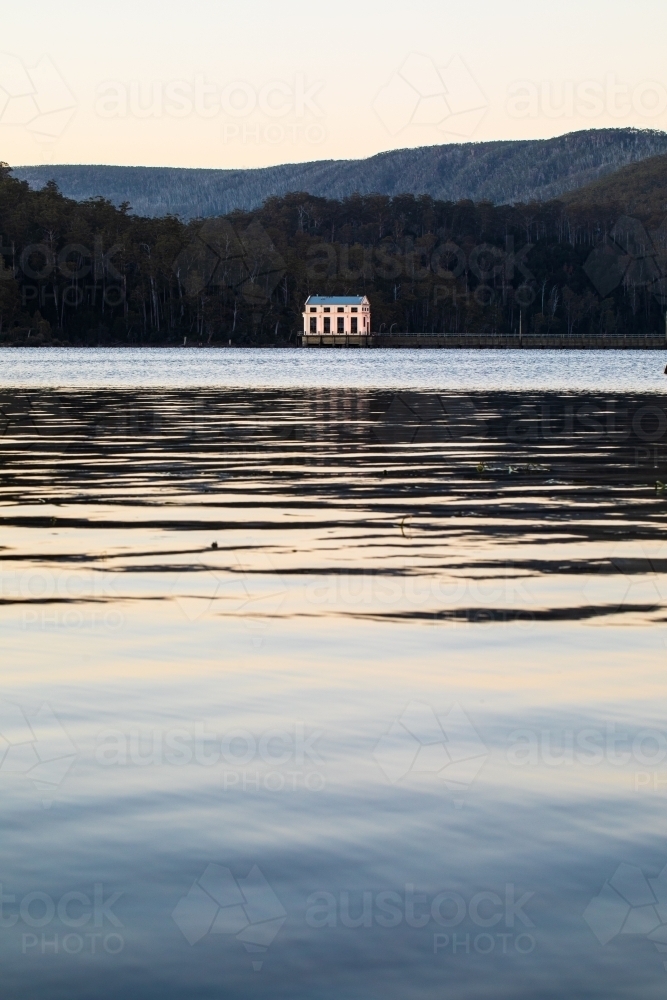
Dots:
(336, 316)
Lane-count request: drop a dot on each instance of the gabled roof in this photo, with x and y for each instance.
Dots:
(336, 300)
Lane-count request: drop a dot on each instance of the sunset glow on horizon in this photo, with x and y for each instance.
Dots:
(212, 84)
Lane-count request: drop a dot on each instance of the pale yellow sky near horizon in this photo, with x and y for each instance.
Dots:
(219, 84)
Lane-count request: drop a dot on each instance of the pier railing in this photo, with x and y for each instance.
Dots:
(609, 341)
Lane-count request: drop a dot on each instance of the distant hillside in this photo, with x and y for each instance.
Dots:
(104, 276)
(501, 172)
(636, 189)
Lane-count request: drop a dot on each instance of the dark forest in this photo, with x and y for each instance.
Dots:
(88, 273)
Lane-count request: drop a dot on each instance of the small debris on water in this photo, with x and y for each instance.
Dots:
(482, 467)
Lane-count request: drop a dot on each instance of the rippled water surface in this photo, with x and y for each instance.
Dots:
(452, 370)
(333, 674)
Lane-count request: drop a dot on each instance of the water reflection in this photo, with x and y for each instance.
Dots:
(400, 506)
(333, 692)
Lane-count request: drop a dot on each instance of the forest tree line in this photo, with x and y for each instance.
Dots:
(88, 273)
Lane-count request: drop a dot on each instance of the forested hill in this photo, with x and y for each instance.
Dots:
(500, 172)
(89, 273)
(636, 189)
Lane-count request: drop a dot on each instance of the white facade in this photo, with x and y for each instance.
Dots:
(336, 314)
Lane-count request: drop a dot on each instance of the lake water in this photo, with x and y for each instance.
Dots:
(517, 371)
(333, 674)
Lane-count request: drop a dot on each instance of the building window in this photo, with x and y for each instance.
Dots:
(354, 309)
(313, 324)
(326, 309)
(341, 324)
(313, 309)
(327, 324)
(354, 325)
(341, 309)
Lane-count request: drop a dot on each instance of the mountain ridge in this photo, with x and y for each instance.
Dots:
(638, 188)
(502, 172)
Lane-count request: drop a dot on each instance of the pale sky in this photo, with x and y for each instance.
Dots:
(211, 83)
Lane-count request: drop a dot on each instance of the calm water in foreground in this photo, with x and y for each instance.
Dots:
(333, 674)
